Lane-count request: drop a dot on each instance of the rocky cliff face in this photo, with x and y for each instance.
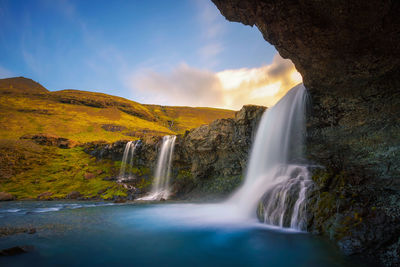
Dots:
(348, 55)
(208, 161)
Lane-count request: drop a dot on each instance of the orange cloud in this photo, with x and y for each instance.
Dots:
(226, 89)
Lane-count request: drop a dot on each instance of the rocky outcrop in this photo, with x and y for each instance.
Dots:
(74, 195)
(348, 55)
(113, 128)
(214, 156)
(50, 140)
(208, 161)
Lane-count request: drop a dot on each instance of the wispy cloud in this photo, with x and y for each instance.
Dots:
(211, 31)
(231, 89)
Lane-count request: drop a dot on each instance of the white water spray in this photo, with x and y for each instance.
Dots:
(125, 172)
(162, 175)
(274, 174)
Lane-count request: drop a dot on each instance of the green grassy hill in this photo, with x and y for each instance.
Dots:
(28, 170)
(26, 107)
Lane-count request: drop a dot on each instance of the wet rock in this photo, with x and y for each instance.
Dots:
(209, 159)
(4, 196)
(348, 55)
(16, 250)
(50, 140)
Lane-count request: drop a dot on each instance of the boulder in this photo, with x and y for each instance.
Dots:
(74, 195)
(45, 196)
(89, 175)
(4, 196)
(50, 140)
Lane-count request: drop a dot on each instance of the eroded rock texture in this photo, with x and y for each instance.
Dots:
(349, 56)
(208, 161)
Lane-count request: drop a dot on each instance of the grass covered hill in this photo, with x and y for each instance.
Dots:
(34, 168)
(26, 107)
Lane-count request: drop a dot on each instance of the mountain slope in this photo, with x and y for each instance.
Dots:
(26, 107)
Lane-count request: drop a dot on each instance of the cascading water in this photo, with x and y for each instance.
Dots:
(275, 175)
(160, 189)
(125, 172)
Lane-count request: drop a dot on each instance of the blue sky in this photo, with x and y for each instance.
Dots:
(104, 45)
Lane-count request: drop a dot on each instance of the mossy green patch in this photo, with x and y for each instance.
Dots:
(66, 170)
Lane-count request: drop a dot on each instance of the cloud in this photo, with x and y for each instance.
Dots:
(230, 89)
(182, 86)
(262, 86)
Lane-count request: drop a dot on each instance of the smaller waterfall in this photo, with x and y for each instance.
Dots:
(162, 176)
(125, 172)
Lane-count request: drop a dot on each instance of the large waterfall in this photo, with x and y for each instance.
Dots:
(125, 172)
(275, 175)
(160, 189)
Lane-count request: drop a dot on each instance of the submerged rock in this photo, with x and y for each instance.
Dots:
(6, 231)
(16, 250)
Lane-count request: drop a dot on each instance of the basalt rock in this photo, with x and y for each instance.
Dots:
(349, 57)
(4, 196)
(113, 128)
(50, 140)
(214, 156)
(208, 161)
(74, 195)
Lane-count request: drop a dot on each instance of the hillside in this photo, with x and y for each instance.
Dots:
(28, 108)
(37, 166)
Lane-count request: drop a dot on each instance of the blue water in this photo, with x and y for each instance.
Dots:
(102, 234)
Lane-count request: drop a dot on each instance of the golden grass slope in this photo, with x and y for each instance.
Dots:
(28, 108)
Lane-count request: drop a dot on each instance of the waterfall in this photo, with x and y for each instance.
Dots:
(160, 189)
(275, 175)
(125, 172)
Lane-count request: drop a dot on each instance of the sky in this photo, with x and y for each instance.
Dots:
(175, 52)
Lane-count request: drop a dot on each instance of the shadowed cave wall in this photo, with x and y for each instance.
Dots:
(349, 56)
